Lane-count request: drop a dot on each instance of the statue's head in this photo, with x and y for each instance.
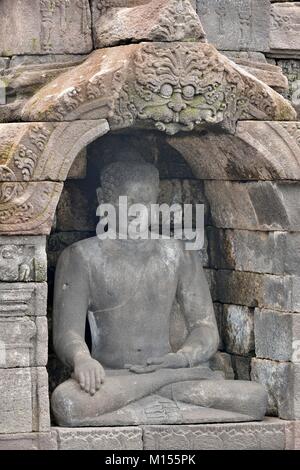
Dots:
(139, 181)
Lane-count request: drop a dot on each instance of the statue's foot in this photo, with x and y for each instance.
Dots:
(247, 398)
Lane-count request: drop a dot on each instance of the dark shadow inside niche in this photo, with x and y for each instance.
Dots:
(76, 212)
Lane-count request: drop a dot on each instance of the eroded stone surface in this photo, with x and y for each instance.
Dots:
(28, 441)
(258, 151)
(23, 259)
(254, 251)
(158, 20)
(238, 329)
(23, 341)
(24, 406)
(284, 33)
(28, 208)
(277, 335)
(258, 290)
(254, 206)
(236, 25)
(33, 151)
(114, 83)
(125, 438)
(45, 26)
(264, 436)
(18, 299)
(282, 381)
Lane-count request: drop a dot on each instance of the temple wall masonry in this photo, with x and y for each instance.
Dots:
(247, 174)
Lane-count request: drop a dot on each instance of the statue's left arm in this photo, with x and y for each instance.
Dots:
(196, 304)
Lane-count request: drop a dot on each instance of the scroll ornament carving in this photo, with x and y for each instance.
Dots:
(25, 158)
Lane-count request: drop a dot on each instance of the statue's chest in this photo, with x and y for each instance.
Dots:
(123, 280)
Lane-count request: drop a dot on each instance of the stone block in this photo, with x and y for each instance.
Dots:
(28, 208)
(285, 29)
(277, 335)
(268, 435)
(282, 381)
(254, 206)
(125, 438)
(28, 441)
(158, 20)
(292, 431)
(78, 168)
(25, 60)
(45, 27)
(23, 341)
(254, 251)
(238, 329)
(258, 290)
(291, 69)
(77, 207)
(23, 259)
(258, 151)
(24, 405)
(236, 25)
(20, 300)
(241, 366)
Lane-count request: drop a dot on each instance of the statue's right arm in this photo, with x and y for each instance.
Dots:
(71, 301)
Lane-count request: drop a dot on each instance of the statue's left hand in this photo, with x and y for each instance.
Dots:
(169, 361)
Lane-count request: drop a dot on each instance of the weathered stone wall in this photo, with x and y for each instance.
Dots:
(252, 223)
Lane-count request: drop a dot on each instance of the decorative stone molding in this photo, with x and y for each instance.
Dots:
(28, 207)
(24, 406)
(33, 151)
(171, 87)
(270, 434)
(19, 300)
(23, 259)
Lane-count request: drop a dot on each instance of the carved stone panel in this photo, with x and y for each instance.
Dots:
(172, 87)
(45, 27)
(24, 404)
(28, 208)
(285, 29)
(32, 151)
(20, 300)
(236, 24)
(23, 341)
(116, 438)
(23, 259)
(251, 436)
(158, 20)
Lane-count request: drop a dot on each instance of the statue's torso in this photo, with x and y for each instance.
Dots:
(132, 290)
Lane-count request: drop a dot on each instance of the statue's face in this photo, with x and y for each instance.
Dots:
(143, 193)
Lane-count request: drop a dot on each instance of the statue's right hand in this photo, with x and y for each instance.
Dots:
(89, 374)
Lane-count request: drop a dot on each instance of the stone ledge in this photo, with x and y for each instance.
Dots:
(271, 434)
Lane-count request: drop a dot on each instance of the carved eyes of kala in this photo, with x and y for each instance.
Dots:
(167, 91)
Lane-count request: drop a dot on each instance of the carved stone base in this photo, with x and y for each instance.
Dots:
(270, 434)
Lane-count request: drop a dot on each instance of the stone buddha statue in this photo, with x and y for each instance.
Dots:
(126, 289)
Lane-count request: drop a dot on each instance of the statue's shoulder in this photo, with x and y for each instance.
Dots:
(83, 248)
